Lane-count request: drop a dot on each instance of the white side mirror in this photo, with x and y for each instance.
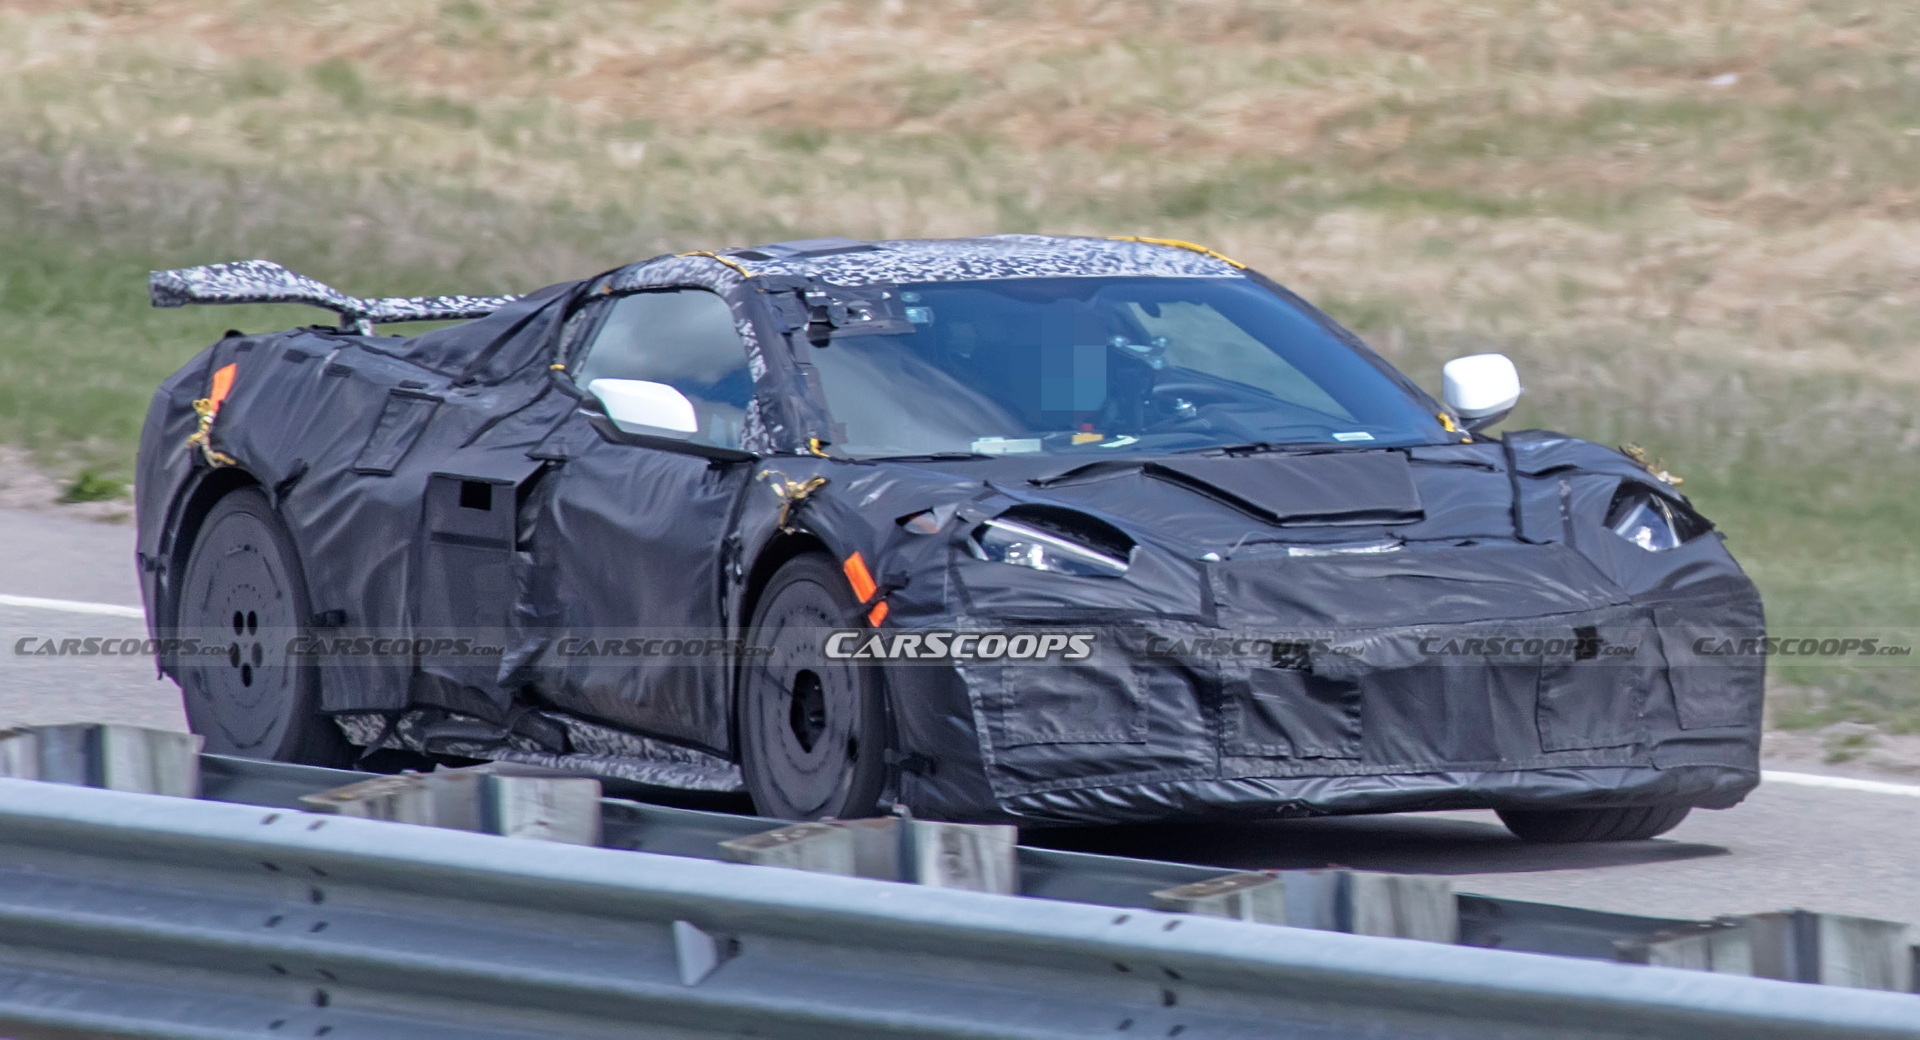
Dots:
(638, 406)
(1482, 388)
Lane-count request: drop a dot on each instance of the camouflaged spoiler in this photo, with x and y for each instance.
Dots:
(261, 281)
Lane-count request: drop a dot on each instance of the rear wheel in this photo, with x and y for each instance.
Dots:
(243, 599)
(1571, 825)
(812, 728)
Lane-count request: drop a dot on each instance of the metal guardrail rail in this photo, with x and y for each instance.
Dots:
(139, 915)
(1116, 881)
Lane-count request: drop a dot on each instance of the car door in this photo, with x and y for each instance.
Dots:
(632, 529)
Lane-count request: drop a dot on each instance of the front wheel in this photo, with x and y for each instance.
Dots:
(243, 599)
(812, 728)
(1570, 825)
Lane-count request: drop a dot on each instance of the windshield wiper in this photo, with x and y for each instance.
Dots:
(934, 456)
(1260, 448)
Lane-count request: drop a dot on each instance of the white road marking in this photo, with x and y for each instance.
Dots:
(1844, 783)
(72, 606)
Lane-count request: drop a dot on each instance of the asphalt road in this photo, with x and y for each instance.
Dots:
(1791, 844)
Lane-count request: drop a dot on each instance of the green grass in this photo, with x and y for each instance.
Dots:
(1721, 273)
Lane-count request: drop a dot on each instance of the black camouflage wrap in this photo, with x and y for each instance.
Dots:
(1262, 656)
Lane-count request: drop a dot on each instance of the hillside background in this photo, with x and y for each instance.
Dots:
(1695, 225)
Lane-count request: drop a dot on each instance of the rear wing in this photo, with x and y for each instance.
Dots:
(261, 281)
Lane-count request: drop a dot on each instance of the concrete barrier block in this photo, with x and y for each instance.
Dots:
(975, 857)
(545, 808)
(820, 847)
(1241, 897)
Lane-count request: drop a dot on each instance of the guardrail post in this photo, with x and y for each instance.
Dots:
(148, 761)
(1833, 949)
(19, 754)
(975, 857)
(1404, 906)
(64, 755)
(971, 856)
(402, 798)
(1241, 897)
(119, 758)
(878, 848)
(547, 808)
(496, 798)
(1723, 946)
(820, 847)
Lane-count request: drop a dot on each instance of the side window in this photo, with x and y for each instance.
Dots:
(681, 337)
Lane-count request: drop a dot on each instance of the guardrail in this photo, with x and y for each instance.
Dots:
(1482, 921)
(126, 914)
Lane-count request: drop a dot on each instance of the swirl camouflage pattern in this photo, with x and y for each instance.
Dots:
(262, 281)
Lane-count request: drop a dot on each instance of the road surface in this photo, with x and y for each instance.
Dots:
(1794, 843)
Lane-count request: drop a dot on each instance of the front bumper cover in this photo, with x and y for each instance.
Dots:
(1603, 707)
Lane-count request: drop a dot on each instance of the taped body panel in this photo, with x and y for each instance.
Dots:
(1280, 628)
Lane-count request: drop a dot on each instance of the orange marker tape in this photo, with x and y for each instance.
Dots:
(222, 384)
(858, 577)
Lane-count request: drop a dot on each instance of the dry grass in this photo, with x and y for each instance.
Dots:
(1694, 222)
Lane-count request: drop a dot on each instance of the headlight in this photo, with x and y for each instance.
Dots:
(1053, 540)
(1651, 520)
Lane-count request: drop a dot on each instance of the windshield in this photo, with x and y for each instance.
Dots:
(1093, 366)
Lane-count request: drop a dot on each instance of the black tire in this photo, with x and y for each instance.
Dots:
(812, 728)
(1569, 825)
(242, 584)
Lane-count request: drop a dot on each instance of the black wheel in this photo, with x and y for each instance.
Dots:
(242, 587)
(1568, 825)
(812, 728)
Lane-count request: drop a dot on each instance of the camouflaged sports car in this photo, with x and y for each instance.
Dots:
(1014, 528)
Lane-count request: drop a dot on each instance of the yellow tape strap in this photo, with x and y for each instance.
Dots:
(744, 273)
(1179, 244)
(206, 408)
(1446, 422)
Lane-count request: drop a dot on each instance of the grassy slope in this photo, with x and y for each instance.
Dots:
(1693, 223)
